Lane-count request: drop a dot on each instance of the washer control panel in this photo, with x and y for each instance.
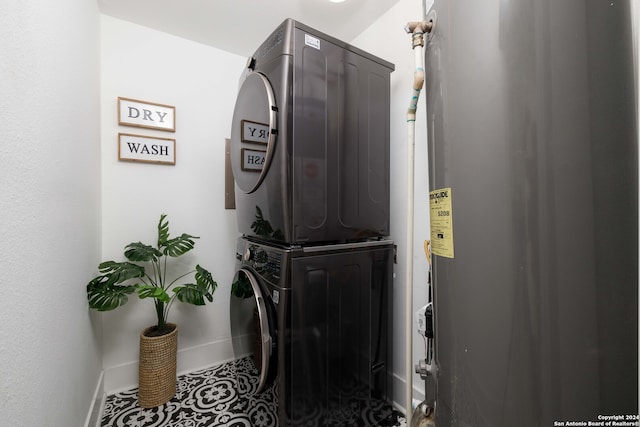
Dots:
(266, 262)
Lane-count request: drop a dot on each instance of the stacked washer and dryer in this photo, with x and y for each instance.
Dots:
(311, 298)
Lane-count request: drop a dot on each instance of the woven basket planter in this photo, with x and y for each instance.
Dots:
(157, 369)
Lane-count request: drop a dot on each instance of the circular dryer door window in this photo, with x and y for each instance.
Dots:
(253, 133)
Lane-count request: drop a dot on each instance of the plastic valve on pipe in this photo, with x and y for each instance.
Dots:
(423, 26)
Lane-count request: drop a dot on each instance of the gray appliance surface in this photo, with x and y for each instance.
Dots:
(531, 112)
(310, 140)
(330, 317)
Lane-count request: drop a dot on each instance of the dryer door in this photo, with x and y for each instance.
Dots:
(253, 333)
(253, 132)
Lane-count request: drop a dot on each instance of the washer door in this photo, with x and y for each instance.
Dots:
(253, 333)
(253, 132)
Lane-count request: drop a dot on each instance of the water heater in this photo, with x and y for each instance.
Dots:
(531, 114)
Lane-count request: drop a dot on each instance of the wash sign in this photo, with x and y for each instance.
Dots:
(441, 219)
(138, 148)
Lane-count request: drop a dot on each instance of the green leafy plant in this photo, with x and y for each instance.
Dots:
(111, 288)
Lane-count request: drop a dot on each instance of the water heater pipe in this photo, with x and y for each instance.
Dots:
(417, 30)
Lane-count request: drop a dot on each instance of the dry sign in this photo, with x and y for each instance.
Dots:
(132, 112)
(138, 148)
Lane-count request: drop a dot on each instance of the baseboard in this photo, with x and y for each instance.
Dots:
(125, 376)
(97, 404)
(98, 414)
(204, 356)
(399, 385)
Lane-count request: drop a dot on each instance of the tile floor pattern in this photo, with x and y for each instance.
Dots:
(207, 398)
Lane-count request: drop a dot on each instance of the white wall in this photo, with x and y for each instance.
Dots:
(50, 356)
(201, 82)
(387, 39)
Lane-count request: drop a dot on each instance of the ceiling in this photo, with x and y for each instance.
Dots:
(240, 26)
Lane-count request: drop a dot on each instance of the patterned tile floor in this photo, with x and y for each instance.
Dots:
(207, 398)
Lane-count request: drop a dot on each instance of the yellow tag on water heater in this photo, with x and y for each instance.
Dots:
(441, 220)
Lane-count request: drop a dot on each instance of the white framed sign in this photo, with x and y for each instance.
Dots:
(133, 112)
(138, 148)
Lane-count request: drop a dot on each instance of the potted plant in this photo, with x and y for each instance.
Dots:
(145, 273)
